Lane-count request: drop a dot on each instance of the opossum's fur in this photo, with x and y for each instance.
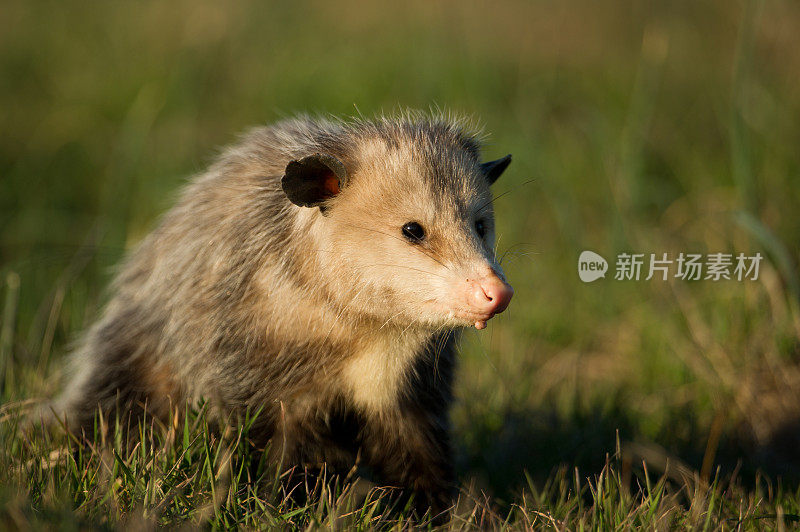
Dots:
(327, 321)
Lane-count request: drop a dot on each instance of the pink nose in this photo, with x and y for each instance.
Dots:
(492, 295)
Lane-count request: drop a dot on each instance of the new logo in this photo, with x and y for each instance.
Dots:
(591, 266)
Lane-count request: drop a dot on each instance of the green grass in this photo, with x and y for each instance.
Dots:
(643, 127)
(187, 474)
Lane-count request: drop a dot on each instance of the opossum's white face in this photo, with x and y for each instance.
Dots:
(408, 238)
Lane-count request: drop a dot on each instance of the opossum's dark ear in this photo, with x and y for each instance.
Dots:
(309, 181)
(493, 169)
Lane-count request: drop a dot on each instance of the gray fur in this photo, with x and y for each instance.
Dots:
(243, 298)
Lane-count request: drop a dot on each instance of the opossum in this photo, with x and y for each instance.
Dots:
(318, 272)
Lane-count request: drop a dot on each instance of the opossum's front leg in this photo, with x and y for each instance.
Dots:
(412, 449)
(304, 438)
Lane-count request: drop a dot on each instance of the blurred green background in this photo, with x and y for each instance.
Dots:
(660, 127)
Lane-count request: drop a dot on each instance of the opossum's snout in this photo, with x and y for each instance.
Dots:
(491, 295)
(484, 297)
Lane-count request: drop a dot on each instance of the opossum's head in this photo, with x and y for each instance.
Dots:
(404, 227)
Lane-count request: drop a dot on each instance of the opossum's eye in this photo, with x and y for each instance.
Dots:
(413, 232)
(480, 228)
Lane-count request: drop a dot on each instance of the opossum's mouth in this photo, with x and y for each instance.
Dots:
(473, 302)
(486, 304)
(470, 318)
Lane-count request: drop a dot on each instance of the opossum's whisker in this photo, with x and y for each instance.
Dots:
(440, 345)
(512, 189)
(400, 239)
(496, 245)
(413, 322)
(341, 312)
(519, 244)
(390, 319)
(406, 267)
(390, 265)
(517, 253)
(522, 253)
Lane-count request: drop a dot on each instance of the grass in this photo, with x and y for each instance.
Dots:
(635, 127)
(187, 474)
